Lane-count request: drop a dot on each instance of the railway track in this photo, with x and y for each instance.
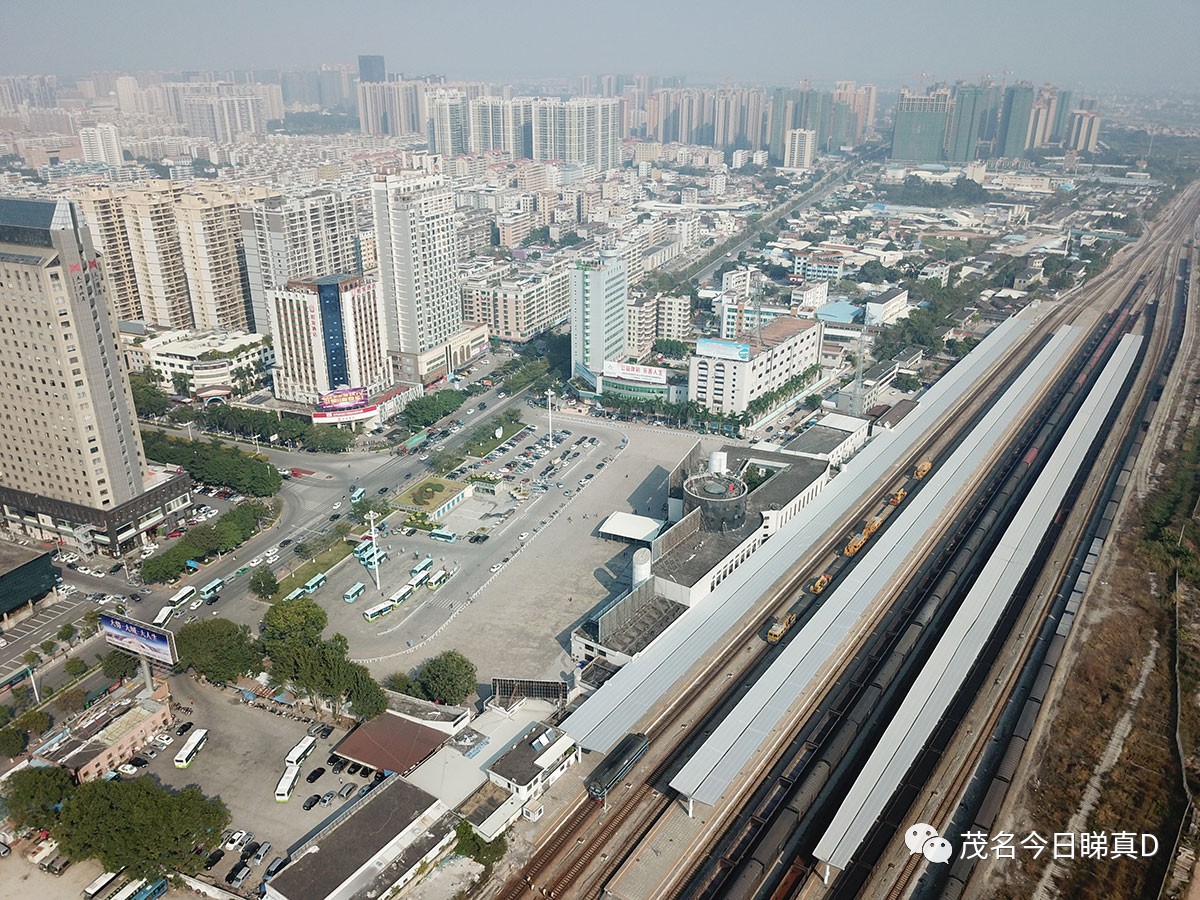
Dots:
(646, 798)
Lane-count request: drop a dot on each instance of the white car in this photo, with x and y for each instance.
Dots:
(163, 738)
(257, 561)
(338, 505)
(423, 457)
(196, 604)
(235, 840)
(127, 769)
(496, 568)
(150, 752)
(523, 536)
(3, 642)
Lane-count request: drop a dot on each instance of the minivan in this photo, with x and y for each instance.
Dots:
(347, 790)
(238, 876)
(261, 854)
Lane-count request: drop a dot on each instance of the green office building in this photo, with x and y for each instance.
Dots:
(963, 133)
(1014, 121)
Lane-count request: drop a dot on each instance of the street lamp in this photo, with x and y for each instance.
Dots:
(550, 413)
(375, 568)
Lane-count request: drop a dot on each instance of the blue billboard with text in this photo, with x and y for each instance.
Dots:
(139, 638)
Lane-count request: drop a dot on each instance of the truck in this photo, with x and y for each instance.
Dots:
(898, 497)
(923, 468)
(855, 544)
(780, 627)
(821, 583)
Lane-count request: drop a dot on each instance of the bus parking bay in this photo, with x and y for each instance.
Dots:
(241, 762)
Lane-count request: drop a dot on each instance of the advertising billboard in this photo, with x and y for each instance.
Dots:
(630, 372)
(137, 637)
(343, 398)
(345, 415)
(722, 349)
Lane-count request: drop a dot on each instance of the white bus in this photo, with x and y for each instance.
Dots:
(210, 590)
(184, 757)
(299, 753)
(378, 612)
(102, 882)
(129, 890)
(437, 579)
(287, 784)
(401, 595)
(423, 566)
(164, 616)
(419, 579)
(355, 592)
(183, 596)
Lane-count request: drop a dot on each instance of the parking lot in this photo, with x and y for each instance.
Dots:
(519, 618)
(242, 762)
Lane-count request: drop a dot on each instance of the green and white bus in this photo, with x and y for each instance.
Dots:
(310, 586)
(355, 592)
(210, 590)
(437, 579)
(440, 534)
(424, 565)
(377, 612)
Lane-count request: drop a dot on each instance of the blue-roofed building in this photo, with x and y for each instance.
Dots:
(841, 312)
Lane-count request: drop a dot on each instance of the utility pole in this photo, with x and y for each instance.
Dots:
(375, 568)
(550, 413)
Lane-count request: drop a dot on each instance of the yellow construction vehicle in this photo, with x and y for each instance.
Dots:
(780, 628)
(872, 526)
(898, 497)
(821, 583)
(855, 544)
(923, 468)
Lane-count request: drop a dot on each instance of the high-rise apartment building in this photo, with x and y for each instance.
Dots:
(417, 250)
(1084, 131)
(1016, 117)
(599, 293)
(518, 302)
(302, 236)
(71, 461)
(582, 130)
(222, 112)
(728, 118)
(391, 107)
(103, 209)
(801, 148)
(920, 126)
(328, 333)
(448, 128)
(803, 107)
(101, 144)
(962, 135)
(371, 69)
(157, 254)
(210, 237)
(1060, 130)
(495, 124)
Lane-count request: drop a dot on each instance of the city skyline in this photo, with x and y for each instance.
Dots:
(1065, 42)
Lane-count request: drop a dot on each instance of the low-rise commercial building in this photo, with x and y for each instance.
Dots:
(189, 362)
(26, 574)
(889, 307)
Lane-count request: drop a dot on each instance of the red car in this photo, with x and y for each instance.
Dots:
(175, 534)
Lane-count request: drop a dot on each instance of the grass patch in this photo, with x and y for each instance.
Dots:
(324, 561)
(429, 493)
(484, 446)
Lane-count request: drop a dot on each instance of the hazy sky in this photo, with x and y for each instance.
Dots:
(1086, 43)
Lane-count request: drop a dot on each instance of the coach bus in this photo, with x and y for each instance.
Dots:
(355, 592)
(378, 611)
(183, 597)
(210, 590)
(103, 882)
(184, 757)
(310, 586)
(164, 616)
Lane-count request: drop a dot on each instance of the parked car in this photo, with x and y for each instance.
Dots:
(249, 850)
(259, 856)
(326, 732)
(312, 801)
(315, 774)
(275, 866)
(213, 858)
(127, 769)
(328, 797)
(314, 729)
(338, 765)
(237, 877)
(354, 767)
(347, 790)
(237, 840)
(139, 763)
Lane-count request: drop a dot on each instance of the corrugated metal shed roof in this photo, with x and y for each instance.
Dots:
(948, 665)
(621, 703)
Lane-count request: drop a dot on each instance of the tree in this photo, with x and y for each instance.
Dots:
(442, 461)
(906, 383)
(288, 631)
(367, 698)
(66, 633)
(70, 701)
(33, 795)
(448, 677)
(116, 664)
(34, 721)
(75, 667)
(91, 621)
(360, 510)
(814, 401)
(12, 742)
(263, 582)
(403, 683)
(671, 349)
(219, 649)
(470, 844)
(158, 829)
(31, 658)
(148, 401)
(48, 646)
(181, 383)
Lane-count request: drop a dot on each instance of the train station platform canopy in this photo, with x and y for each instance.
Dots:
(624, 700)
(947, 666)
(623, 526)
